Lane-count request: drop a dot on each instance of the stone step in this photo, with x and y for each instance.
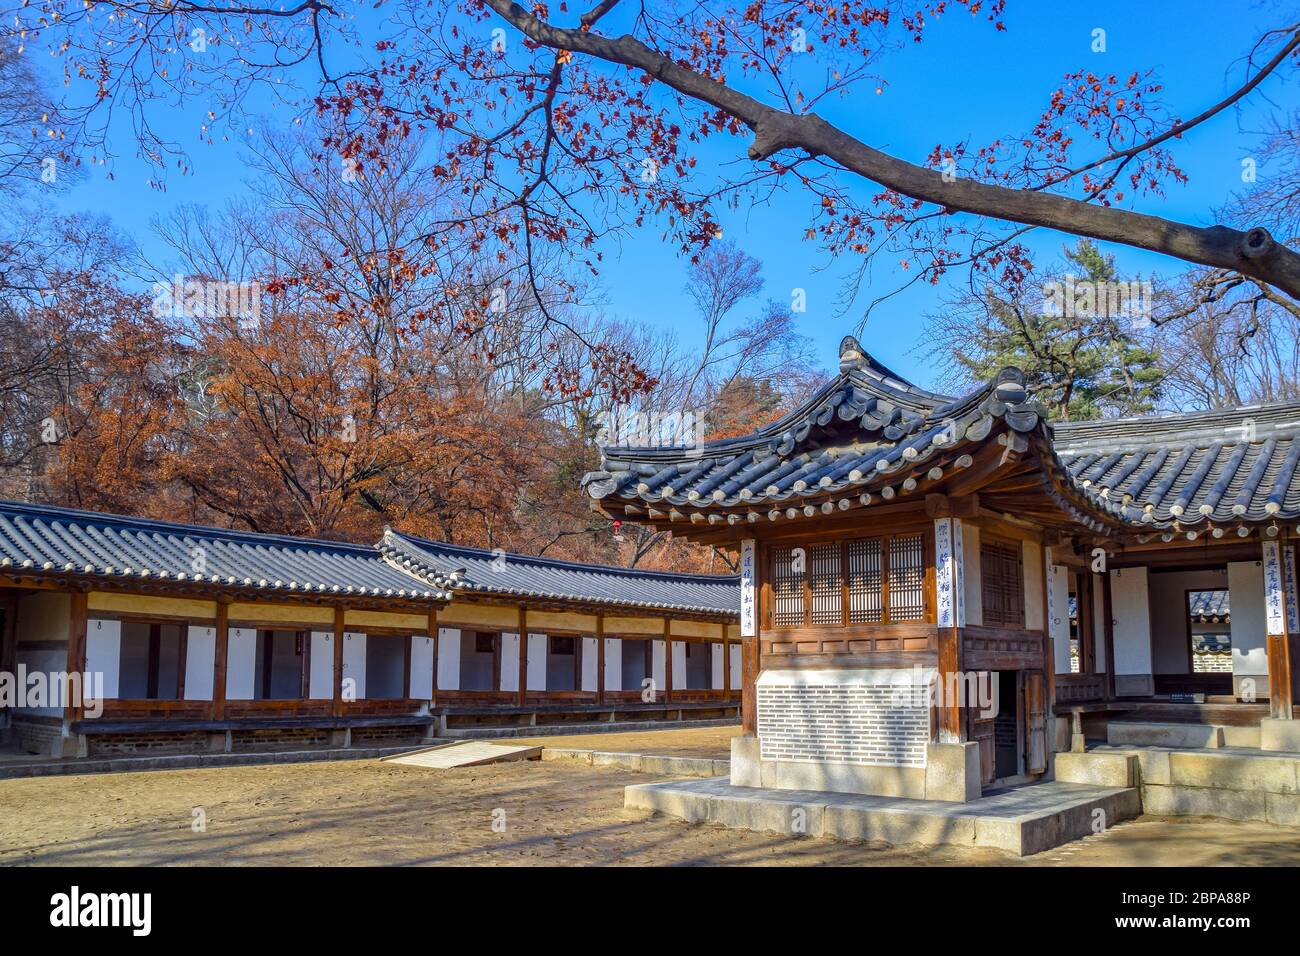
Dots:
(1180, 735)
(562, 729)
(1233, 784)
(465, 753)
(1020, 820)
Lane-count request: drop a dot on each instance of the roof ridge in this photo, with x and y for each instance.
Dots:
(562, 562)
(209, 531)
(1159, 418)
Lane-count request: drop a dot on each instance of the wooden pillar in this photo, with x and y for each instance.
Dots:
(755, 604)
(523, 655)
(219, 654)
(433, 636)
(76, 663)
(339, 616)
(726, 664)
(1108, 633)
(668, 659)
(1277, 615)
(950, 619)
(600, 657)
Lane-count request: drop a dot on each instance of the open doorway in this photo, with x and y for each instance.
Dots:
(1006, 726)
(1209, 640)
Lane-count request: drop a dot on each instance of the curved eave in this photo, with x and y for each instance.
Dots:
(209, 586)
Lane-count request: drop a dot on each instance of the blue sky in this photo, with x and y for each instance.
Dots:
(964, 81)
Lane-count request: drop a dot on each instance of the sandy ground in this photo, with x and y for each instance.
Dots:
(711, 742)
(368, 812)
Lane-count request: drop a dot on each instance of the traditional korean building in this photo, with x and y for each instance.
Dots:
(197, 638)
(907, 557)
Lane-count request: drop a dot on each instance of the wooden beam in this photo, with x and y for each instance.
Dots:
(220, 652)
(668, 659)
(1278, 643)
(523, 655)
(1108, 633)
(600, 658)
(433, 635)
(339, 615)
(76, 663)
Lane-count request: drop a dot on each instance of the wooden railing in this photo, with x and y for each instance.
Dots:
(1080, 688)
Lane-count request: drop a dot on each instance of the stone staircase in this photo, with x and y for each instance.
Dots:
(1193, 770)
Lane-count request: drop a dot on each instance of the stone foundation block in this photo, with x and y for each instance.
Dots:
(952, 772)
(746, 764)
(1164, 735)
(1098, 769)
(1277, 734)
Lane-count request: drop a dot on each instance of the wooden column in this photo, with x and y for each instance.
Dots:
(726, 664)
(523, 655)
(668, 660)
(1108, 633)
(9, 640)
(219, 654)
(1277, 615)
(755, 606)
(76, 663)
(950, 618)
(600, 657)
(339, 615)
(433, 636)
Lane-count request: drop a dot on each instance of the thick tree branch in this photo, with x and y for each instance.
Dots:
(1252, 252)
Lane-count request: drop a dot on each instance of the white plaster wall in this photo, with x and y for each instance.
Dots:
(613, 664)
(421, 667)
(103, 653)
(1132, 614)
(200, 659)
(1249, 624)
(1033, 570)
(354, 664)
(241, 662)
(320, 674)
(537, 647)
(510, 661)
(736, 666)
(657, 662)
(716, 651)
(590, 652)
(679, 665)
(1169, 640)
(974, 597)
(449, 658)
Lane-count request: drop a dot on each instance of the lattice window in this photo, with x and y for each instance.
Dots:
(1002, 583)
(825, 585)
(788, 570)
(866, 581)
(906, 596)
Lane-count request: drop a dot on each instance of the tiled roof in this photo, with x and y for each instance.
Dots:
(49, 539)
(1210, 604)
(869, 435)
(500, 573)
(867, 431)
(1204, 467)
(42, 539)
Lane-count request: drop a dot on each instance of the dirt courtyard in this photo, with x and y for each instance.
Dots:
(335, 813)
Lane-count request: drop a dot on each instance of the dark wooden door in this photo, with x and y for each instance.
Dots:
(1035, 711)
